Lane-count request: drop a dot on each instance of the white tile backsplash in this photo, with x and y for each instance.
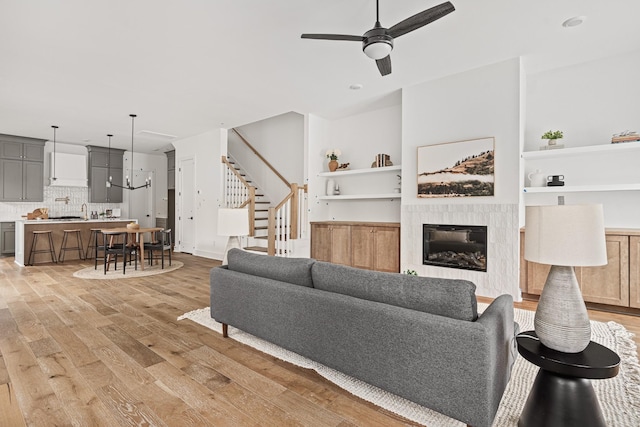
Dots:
(11, 211)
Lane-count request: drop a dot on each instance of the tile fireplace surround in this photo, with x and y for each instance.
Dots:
(503, 243)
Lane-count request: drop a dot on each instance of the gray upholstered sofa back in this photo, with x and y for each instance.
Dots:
(296, 271)
(445, 297)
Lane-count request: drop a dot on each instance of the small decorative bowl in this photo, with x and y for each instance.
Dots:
(133, 226)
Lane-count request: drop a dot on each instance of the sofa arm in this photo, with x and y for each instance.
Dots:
(501, 329)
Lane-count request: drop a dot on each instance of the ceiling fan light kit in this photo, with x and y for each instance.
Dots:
(377, 43)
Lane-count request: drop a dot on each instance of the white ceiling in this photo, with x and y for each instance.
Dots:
(189, 66)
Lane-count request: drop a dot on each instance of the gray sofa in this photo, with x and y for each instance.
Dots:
(420, 338)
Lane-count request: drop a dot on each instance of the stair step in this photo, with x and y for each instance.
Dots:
(256, 249)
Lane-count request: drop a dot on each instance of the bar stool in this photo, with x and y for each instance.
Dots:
(78, 247)
(91, 248)
(34, 242)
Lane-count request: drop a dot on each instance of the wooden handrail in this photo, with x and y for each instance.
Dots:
(287, 183)
(235, 172)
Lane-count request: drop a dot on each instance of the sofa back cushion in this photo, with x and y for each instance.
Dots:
(444, 297)
(291, 270)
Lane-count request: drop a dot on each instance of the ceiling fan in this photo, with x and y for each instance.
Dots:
(377, 43)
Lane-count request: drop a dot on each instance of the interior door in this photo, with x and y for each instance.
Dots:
(141, 205)
(186, 195)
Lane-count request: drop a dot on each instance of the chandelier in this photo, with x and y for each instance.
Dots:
(129, 185)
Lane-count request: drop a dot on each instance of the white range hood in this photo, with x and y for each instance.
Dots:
(71, 170)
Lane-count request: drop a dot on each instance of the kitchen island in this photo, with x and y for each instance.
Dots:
(25, 229)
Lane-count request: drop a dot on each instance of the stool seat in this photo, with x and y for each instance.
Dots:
(79, 246)
(34, 243)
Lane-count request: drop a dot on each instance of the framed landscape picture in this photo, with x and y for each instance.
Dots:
(457, 169)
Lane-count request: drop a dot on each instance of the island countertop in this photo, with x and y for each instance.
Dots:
(26, 227)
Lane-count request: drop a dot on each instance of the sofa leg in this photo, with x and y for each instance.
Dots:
(225, 330)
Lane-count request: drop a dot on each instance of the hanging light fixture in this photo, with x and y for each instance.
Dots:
(109, 178)
(54, 178)
(129, 185)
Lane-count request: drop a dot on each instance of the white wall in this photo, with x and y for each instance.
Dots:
(206, 149)
(359, 137)
(484, 102)
(280, 140)
(589, 102)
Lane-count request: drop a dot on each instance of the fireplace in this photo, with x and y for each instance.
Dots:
(455, 246)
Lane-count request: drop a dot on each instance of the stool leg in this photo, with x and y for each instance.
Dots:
(34, 242)
(51, 248)
(80, 245)
(86, 252)
(63, 246)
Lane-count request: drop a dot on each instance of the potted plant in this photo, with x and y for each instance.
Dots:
(332, 155)
(552, 136)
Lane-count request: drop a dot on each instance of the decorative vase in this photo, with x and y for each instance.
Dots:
(333, 165)
(561, 320)
(553, 142)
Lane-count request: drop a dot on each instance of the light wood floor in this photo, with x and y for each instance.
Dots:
(111, 352)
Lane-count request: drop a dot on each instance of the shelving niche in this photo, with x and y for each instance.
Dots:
(589, 156)
(345, 176)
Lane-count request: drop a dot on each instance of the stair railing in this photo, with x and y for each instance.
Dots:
(284, 221)
(238, 193)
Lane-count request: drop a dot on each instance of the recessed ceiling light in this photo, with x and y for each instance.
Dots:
(574, 22)
(356, 86)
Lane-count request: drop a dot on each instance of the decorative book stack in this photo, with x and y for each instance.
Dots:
(625, 137)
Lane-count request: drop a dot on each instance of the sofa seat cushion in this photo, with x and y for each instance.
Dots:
(445, 297)
(296, 271)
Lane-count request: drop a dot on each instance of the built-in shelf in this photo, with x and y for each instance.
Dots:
(361, 196)
(583, 188)
(360, 171)
(590, 149)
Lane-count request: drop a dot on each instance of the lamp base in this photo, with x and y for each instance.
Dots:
(561, 321)
(233, 242)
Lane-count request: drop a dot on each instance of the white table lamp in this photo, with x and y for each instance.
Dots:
(564, 236)
(233, 223)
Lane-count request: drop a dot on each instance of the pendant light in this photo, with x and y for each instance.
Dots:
(109, 178)
(54, 178)
(129, 185)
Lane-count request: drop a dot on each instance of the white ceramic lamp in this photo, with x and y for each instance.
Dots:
(233, 223)
(564, 236)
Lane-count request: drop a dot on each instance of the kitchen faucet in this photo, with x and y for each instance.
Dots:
(84, 209)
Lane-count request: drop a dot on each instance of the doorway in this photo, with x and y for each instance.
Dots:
(141, 201)
(186, 196)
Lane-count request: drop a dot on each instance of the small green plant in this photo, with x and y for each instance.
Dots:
(411, 272)
(552, 134)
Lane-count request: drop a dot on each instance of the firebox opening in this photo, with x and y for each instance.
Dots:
(455, 246)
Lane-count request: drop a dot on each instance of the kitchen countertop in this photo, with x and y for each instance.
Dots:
(71, 221)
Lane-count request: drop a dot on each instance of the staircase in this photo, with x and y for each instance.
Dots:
(271, 228)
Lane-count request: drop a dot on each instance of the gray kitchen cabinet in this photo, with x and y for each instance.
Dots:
(21, 169)
(7, 238)
(171, 170)
(102, 164)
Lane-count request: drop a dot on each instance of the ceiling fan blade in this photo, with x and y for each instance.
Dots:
(421, 19)
(332, 37)
(384, 65)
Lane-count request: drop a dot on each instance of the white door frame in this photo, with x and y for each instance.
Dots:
(181, 206)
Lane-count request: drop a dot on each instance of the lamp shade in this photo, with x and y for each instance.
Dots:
(233, 222)
(565, 235)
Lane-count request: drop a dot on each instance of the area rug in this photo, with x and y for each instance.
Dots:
(131, 272)
(619, 396)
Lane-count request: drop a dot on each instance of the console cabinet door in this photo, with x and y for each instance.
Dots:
(608, 284)
(7, 238)
(386, 249)
(331, 243)
(634, 271)
(375, 248)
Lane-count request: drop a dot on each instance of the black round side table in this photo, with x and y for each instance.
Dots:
(562, 394)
